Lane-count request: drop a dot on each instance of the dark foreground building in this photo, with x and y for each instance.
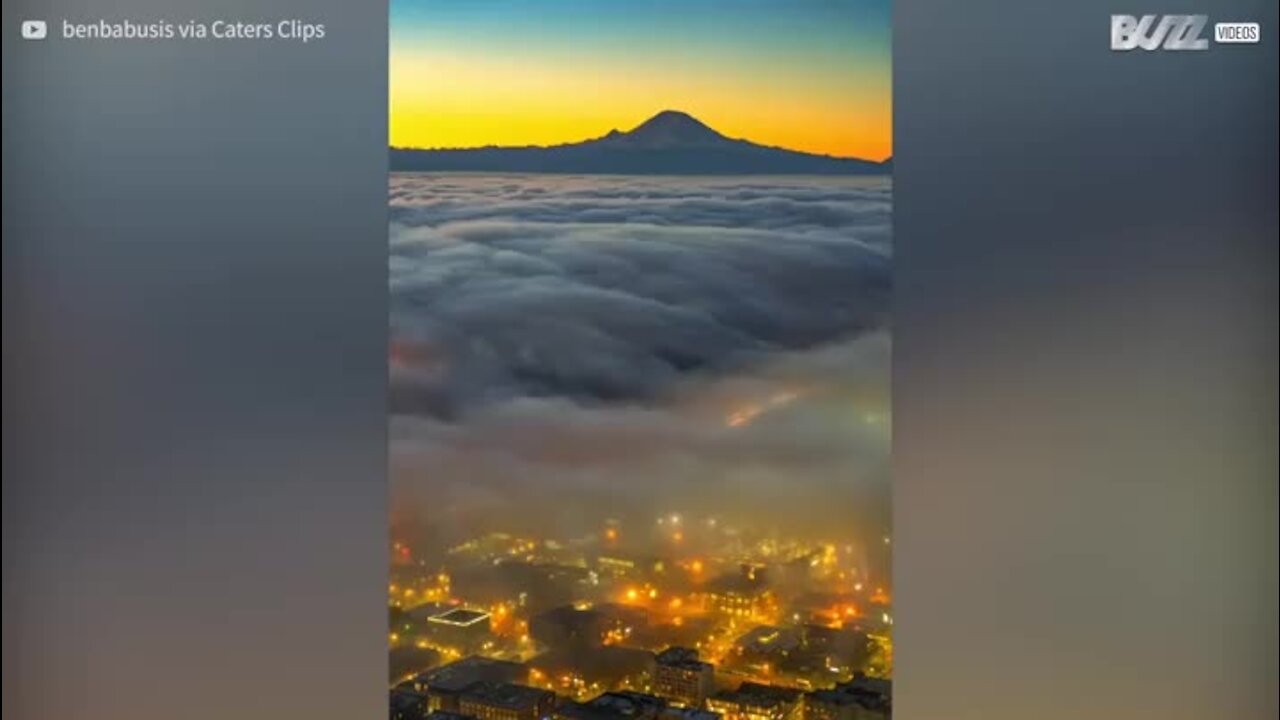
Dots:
(506, 701)
(444, 686)
(754, 701)
(629, 705)
(862, 698)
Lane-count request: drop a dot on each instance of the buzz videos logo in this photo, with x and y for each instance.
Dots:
(1176, 32)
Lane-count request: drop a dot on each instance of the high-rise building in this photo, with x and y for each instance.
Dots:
(683, 679)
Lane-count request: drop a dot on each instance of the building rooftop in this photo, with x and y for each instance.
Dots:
(458, 675)
(867, 683)
(741, 584)
(402, 699)
(427, 610)
(506, 695)
(681, 657)
(447, 715)
(461, 617)
(834, 697)
(767, 638)
(630, 703)
(759, 694)
(570, 710)
(689, 713)
(568, 615)
(620, 705)
(864, 691)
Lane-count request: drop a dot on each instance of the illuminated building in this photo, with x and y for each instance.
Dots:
(754, 701)
(740, 595)
(629, 565)
(466, 630)
(615, 566)
(681, 678)
(862, 698)
(445, 685)
(506, 701)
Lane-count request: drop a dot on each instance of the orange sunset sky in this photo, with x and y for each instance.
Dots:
(804, 75)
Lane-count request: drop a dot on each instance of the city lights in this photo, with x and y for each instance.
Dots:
(766, 609)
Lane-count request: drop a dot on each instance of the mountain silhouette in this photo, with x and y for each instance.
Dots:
(669, 128)
(669, 143)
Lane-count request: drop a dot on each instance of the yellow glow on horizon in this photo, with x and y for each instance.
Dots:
(438, 100)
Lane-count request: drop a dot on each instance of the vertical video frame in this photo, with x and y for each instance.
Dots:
(640, 330)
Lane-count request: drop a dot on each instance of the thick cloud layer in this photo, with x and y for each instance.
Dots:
(636, 342)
